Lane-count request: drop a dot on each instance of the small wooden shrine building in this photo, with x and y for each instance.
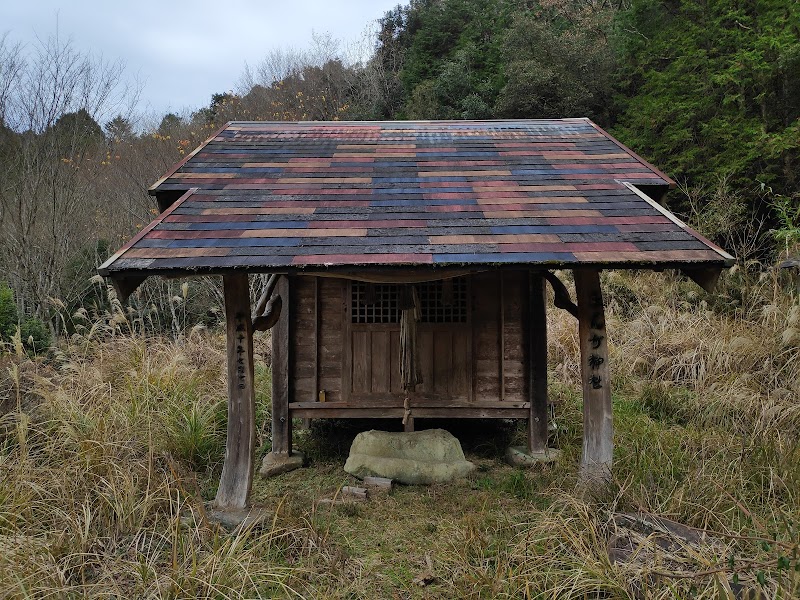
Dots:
(409, 263)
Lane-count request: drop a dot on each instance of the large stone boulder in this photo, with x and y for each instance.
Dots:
(419, 457)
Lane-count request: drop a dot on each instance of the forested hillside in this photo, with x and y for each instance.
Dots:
(707, 90)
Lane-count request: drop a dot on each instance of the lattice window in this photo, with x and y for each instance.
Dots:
(443, 301)
(375, 303)
(440, 301)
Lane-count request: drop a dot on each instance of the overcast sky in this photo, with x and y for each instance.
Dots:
(183, 51)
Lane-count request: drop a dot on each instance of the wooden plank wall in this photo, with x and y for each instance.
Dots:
(376, 361)
(318, 340)
(444, 360)
(303, 324)
(333, 311)
(320, 334)
(485, 336)
(493, 351)
(515, 335)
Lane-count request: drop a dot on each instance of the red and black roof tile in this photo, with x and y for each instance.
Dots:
(282, 196)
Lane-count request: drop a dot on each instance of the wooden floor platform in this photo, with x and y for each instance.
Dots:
(426, 410)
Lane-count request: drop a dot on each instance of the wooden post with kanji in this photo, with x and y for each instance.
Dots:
(598, 429)
(237, 471)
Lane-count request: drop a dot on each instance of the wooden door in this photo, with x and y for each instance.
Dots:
(376, 362)
(444, 343)
(444, 360)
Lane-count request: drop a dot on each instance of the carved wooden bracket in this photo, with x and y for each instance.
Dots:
(562, 299)
(268, 309)
(270, 316)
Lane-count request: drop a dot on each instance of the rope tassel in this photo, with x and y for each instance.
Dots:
(409, 357)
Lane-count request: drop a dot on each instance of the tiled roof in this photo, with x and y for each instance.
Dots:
(277, 196)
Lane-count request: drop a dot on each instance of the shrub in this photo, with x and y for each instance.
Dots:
(34, 334)
(196, 434)
(8, 312)
(36, 337)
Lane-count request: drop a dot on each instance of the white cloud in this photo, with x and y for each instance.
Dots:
(186, 51)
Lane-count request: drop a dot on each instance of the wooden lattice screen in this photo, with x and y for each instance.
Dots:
(440, 302)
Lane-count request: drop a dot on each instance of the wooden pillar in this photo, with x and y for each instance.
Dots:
(237, 471)
(501, 338)
(598, 429)
(408, 417)
(537, 363)
(317, 363)
(281, 421)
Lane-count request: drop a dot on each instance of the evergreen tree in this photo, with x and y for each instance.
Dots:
(558, 63)
(170, 124)
(119, 129)
(711, 88)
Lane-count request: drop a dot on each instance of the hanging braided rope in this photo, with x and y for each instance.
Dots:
(409, 357)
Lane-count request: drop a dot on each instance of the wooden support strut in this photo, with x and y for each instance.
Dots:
(408, 417)
(237, 471)
(281, 420)
(537, 365)
(598, 430)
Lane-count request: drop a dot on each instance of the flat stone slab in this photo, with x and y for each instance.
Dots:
(520, 456)
(378, 485)
(230, 519)
(415, 458)
(276, 463)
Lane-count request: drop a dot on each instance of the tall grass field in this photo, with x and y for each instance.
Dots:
(111, 446)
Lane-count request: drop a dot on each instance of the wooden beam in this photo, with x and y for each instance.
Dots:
(271, 315)
(317, 318)
(125, 286)
(537, 363)
(470, 370)
(408, 418)
(281, 421)
(419, 402)
(237, 471)
(598, 429)
(704, 277)
(347, 341)
(321, 412)
(317, 366)
(261, 305)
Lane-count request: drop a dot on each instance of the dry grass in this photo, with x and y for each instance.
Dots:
(109, 449)
(92, 500)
